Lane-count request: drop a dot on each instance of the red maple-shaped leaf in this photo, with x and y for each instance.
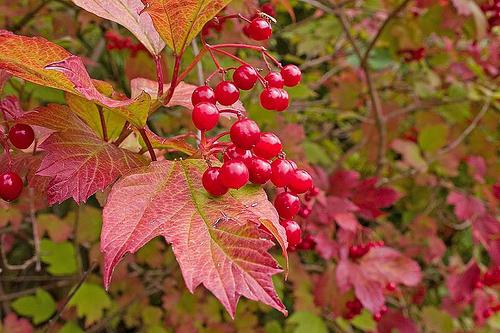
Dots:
(466, 207)
(369, 275)
(461, 285)
(370, 198)
(215, 240)
(178, 22)
(77, 162)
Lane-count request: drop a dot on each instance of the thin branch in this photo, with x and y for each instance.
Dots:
(34, 223)
(103, 124)
(56, 317)
(389, 18)
(148, 144)
(29, 16)
(468, 130)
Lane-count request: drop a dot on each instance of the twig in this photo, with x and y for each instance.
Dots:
(148, 144)
(389, 18)
(29, 16)
(56, 317)
(103, 124)
(55, 285)
(36, 236)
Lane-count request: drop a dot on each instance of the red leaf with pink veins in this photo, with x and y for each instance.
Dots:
(80, 164)
(466, 207)
(370, 198)
(11, 107)
(461, 285)
(215, 240)
(373, 271)
(342, 182)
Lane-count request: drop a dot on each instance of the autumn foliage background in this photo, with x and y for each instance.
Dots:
(397, 119)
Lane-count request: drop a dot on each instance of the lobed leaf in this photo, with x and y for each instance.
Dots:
(178, 22)
(215, 240)
(127, 14)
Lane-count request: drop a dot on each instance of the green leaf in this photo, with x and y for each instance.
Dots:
(307, 322)
(433, 137)
(436, 321)
(71, 327)
(40, 307)
(364, 322)
(59, 256)
(315, 153)
(90, 302)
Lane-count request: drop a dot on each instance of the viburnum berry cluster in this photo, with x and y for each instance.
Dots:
(358, 251)
(251, 156)
(115, 41)
(19, 136)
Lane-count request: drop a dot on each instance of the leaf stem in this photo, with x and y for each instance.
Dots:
(174, 81)
(159, 74)
(103, 124)
(148, 144)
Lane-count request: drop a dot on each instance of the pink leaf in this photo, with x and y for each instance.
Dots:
(388, 265)
(342, 182)
(11, 107)
(461, 286)
(466, 207)
(127, 13)
(215, 240)
(4, 77)
(477, 167)
(12, 324)
(396, 322)
(370, 198)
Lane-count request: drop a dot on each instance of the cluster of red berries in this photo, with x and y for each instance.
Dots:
(491, 310)
(20, 136)
(490, 278)
(354, 308)
(357, 251)
(115, 41)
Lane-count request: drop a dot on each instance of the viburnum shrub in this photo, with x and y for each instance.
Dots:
(205, 190)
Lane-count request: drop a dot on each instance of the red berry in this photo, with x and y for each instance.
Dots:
(307, 243)
(377, 316)
(383, 310)
(283, 102)
(293, 232)
(291, 75)
(234, 174)
(268, 9)
(203, 94)
(235, 153)
(212, 182)
(260, 170)
(21, 136)
(245, 133)
(205, 116)
(244, 77)
(268, 146)
(281, 172)
(259, 29)
(487, 313)
(11, 186)
(313, 191)
(270, 98)
(304, 212)
(227, 93)
(300, 181)
(391, 286)
(274, 79)
(287, 205)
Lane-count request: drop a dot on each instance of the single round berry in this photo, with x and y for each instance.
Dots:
(268, 146)
(245, 133)
(287, 205)
(259, 29)
(203, 94)
(281, 172)
(11, 186)
(291, 75)
(377, 316)
(283, 101)
(391, 286)
(234, 174)
(227, 93)
(235, 153)
(260, 170)
(293, 232)
(211, 181)
(244, 77)
(274, 79)
(205, 116)
(300, 181)
(21, 136)
(270, 98)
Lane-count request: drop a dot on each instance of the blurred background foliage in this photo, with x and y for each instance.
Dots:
(418, 109)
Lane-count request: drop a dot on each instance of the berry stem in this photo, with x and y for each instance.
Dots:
(193, 63)
(233, 16)
(103, 124)
(159, 74)
(236, 112)
(241, 61)
(148, 144)
(217, 137)
(123, 134)
(260, 49)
